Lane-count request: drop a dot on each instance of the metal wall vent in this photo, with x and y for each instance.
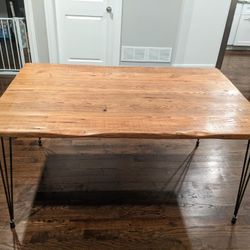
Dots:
(146, 54)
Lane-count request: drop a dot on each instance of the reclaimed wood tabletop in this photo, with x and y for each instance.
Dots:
(46, 100)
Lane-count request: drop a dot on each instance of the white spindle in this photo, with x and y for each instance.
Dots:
(17, 47)
(1, 52)
(5, 44)
(19, 38)
(11, 46)
(11, 36)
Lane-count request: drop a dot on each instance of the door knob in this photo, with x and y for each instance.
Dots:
(109, 9)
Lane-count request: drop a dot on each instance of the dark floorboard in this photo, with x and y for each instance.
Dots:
(127, 193)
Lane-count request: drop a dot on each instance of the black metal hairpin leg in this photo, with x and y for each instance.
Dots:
(7, 179)
(40, 142)
(245, 176)
(197, 143)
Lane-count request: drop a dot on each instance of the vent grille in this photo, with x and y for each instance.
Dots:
(146, 54)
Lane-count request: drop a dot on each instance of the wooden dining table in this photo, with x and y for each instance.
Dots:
(59, 101)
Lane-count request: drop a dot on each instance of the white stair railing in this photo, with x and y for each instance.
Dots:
(14, 45)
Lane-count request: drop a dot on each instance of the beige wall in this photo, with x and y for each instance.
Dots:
(150, 23)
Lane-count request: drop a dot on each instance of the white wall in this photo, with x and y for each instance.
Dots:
(201, 30)
(193, 27)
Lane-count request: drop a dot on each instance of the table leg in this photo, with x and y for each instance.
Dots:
(40, 142)
(245, 176)
(7, 179)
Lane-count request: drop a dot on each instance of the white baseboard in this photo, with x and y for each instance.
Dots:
(194, 65)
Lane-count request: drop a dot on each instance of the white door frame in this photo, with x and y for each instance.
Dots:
(49, 7)
(31, 30)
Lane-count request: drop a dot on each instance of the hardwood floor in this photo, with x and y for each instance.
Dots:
(236, 66)
(127, 193)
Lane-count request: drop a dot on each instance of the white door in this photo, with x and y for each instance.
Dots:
(87, 31)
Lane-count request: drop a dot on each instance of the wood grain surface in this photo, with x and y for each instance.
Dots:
(83, 101)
